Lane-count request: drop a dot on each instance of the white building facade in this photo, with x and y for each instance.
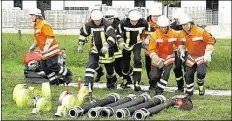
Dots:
(223, 15)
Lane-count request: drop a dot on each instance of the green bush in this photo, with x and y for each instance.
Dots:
(14, 49)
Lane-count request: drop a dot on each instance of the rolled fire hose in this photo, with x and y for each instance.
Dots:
(96, 112)
(126, 112)
(46, 90)
(43, 105)
(143, 113)
(24, 98)
(17, 88)
(68, 101)
(78, 111)
(62, 96)
(110, 111)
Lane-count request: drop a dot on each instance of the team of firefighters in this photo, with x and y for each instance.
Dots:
(181, 44)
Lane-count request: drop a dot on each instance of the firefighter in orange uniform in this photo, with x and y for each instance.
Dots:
(162, 53)
(152, 19)
(48, 45)
(199, 45)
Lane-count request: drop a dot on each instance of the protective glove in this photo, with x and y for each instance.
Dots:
(80, 47)
(45, 49)
(207, 56)
(33, 47)
(160, 63)
(154, 57)
(105, 48)
(144, 46)
(122, 45)
(47, 45)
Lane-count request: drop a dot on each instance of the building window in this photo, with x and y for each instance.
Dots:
(107, 2)
(212, 11)
(18, 3)
(139, 3)
(76, 8)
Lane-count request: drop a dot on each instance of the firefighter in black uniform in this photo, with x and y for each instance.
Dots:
(131, 30)
(102, 52)
(178, 62)
(112, 17)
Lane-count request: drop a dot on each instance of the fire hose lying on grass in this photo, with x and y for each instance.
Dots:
(96, 112)
(110, 111)
(78, 111)
(126, 112)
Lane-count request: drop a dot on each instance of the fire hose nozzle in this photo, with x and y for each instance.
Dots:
(122, 113)
(75, 112)
(141, 114)
(94, 112)
(106, 112)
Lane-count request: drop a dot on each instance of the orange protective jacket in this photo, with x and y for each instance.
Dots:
(155, 26)
(195, 43)
(42, 32)
(162, 45)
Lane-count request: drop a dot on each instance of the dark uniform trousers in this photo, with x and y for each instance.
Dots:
(54, 71)
(160, 76)
(92, 65)
(137, 63)
(190, 71)
(148, 67)
(178, 71)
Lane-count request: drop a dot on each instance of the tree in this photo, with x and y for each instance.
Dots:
(167, 3)
(40, 5)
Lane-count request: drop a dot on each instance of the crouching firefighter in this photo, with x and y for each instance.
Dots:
(162, 53)
(102, 51)
(131, 30)
(48, 45)
(199, 44)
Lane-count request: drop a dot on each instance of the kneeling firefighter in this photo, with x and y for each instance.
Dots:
(49, 49)
(102, 51)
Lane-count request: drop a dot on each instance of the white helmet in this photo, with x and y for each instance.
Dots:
(35, 12)
(96, 14)
(163, 21)
(155, 11)
(111, 13)
(134, 14)
(177, 13)
(184, 18)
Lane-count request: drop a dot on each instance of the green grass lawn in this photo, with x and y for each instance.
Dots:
(205, 107)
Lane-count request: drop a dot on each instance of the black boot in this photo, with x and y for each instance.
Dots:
(159, 91)
(152, 85)
(111, 82)
(98, 76)
(137, 86)
(69, 77)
